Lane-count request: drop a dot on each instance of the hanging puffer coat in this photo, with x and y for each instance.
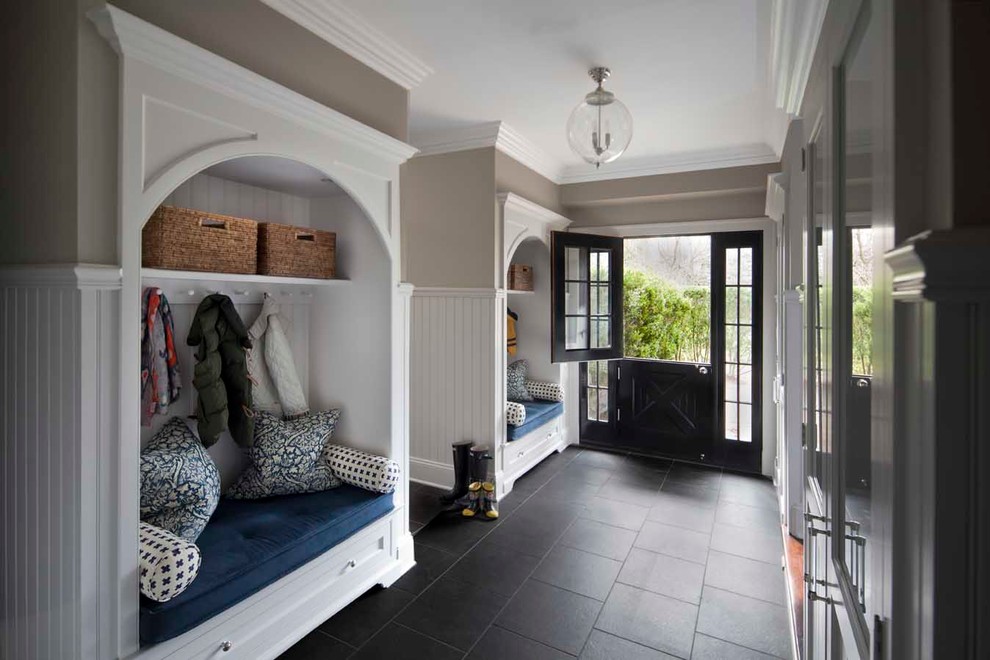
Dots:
(277, 389)
(221, 374)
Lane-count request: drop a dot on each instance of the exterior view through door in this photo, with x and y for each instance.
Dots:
(686, 380)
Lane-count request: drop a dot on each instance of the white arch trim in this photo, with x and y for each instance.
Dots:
(522, 220)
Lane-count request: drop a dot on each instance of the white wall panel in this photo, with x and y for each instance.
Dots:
(216, 195)
(455, 367)
(57, 420)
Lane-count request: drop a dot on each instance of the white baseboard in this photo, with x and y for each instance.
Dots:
(431, 473)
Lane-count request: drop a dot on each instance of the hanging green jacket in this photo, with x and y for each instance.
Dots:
(221, 374)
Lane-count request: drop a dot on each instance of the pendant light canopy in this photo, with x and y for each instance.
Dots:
(600, 128)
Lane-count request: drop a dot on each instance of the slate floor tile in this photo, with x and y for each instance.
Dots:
(451, 533)
(494, 567)
(750, 543)
(603, 459)
(747, 577)
(550, 615)
(650, 463)
(568, 491)
(430, 564)
(533, 533)
(619, 514)
(694, 475)
(649, 619)
(754, 624)
(318, 646)
(709, 648)
(665, 575)
(453, 612)
(689, 493)
(356, 623)
(743, 515)
(397, 642)
(501, 643)
(752, 491)
(602, 646)
(586, 474)
(578, 571)
(674, 541)
(680, 513)
(620, 490)
(599, 538)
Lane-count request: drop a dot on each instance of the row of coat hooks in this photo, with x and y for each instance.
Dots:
(234, 293)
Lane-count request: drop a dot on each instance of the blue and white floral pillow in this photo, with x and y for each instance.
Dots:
(180, 483)
(287, 457)
(515, 382)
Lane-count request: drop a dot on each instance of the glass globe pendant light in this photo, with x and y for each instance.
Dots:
(600, 128)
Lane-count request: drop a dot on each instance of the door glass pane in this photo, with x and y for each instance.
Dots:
(731, 421)
(746, 384)
(603, 405)
(731, 304)
(745, 304)
(745, 344)
(667, 298)
(731, 343)
(576, 298)
(600, 269)
(596, 391)
(602, 373)
(601, 338)
(577, 332)
(732, 382)
(603, 304)
(732, 266)
(746, 266)
(576, 263)
(745, 422)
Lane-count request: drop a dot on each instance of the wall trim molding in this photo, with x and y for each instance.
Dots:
(452, 292)
(795, 28)
(431, 473)
(513, 202)
(942, 266)
(134, 38)
(513, 144)
(346, 29)
(68, 275)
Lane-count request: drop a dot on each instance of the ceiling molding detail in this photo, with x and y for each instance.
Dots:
(754, 154)
(795, 28)
(510, 142)
(347, 30)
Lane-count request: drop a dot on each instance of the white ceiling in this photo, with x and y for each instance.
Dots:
(695, 74)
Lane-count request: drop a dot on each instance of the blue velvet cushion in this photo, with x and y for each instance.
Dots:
(287, 457)
(180, 483)
(250, 544)
(538, 413)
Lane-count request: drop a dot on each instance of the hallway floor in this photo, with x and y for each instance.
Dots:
(596, 555)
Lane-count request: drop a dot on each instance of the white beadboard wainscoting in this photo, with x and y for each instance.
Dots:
(59, 364)
(216, 195)
(456, 367)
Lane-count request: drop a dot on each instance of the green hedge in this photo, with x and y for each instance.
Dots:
(664, 322)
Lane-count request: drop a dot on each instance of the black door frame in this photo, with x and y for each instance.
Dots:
(731, 454)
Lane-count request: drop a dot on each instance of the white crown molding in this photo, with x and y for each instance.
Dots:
(347, 30)
(513, 202)
(515, 146)
(945, 265)
(795, 28)
(133, 38)
(63, 276)
(756, 154)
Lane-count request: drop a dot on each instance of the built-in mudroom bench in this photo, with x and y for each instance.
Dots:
(201, 136)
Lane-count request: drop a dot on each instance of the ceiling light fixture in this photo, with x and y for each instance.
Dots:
(600, 128)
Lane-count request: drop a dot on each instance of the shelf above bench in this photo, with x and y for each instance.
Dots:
(189, 287)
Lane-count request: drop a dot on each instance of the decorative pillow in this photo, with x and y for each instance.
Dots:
(286, 457)
(515, 413)
(357, 468)
(167, 563)
(545, 391)
(515, 382)
(180, 483)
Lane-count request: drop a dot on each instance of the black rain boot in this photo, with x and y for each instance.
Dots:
(462, 472)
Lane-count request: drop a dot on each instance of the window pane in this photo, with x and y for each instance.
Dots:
(746, 304)
(575, 263)
(731, 344)
(576, 298)
(602, 373)
(601, 272)
(746, 384)
(746, 266)
(731, 382)
(592, 371)
(746, 423)
(577, 333)
(602, 405)
(731, 304)
(592, 404)
(602, 300)
(600, 337)
(732, 266)
(731, 421)
(745, 344)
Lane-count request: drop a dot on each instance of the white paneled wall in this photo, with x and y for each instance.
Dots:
(59, 424)
(456, 365)
(216, 195)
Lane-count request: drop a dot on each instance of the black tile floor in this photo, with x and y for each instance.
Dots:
(596, 555)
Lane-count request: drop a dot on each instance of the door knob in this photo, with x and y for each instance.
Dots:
(703, 370)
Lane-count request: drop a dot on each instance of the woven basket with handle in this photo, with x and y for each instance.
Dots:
(290, 251)
(520, 277)
(185, 239)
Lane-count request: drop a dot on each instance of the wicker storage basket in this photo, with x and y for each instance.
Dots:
(184, 239)
(296, 251)
(520, 277)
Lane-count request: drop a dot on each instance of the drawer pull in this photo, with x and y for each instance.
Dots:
(226, 645)
(352, 563)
